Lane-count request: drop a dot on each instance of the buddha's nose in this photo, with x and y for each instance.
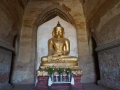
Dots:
(59, 32)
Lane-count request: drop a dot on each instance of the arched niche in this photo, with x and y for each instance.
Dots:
(44, 33)
(51, 12)
(48, 14)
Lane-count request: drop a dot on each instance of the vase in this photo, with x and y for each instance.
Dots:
(61, 76)
(69, 77)
(52, 77)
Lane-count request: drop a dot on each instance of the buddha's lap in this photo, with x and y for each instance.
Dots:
(59, 64)
(64, 59)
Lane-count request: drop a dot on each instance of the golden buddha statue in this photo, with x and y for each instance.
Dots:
(58, 51)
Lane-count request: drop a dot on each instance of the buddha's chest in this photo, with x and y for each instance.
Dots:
(58, 44)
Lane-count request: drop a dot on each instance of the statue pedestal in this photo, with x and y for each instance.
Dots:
(77, 85)
(42, 84)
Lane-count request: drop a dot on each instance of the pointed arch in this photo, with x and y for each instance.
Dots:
(53, 11)
(49, 13)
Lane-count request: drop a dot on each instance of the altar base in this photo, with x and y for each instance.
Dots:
(42, 84)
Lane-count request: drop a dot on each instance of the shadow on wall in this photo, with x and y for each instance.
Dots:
(14, 57)
(95, 57)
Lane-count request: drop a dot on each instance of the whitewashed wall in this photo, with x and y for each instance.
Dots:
(45, 32)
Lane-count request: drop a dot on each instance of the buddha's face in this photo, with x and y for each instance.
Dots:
(58, 33)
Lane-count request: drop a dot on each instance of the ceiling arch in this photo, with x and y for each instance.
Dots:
(52, 11)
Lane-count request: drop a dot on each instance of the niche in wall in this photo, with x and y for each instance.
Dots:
(44, 33)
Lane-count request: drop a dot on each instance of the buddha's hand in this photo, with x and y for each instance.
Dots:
(64, 52)
(55, 55)
(49, 58)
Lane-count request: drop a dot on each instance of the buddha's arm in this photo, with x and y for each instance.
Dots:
(66, 48)
(50, 48)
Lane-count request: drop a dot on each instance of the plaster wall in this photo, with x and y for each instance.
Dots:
(11, 15)
(11, 19)
(104, 26)
(90, 7)
(108, 30)
(102, 20)
(109, 62)
(5, 66)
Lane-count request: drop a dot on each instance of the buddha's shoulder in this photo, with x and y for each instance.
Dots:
(54, 39)
(51, 39)
(66, 39)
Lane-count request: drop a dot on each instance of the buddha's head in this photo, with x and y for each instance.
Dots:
(58, 31)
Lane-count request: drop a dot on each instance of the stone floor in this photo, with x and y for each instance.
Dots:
(92, 86)
(87, 86)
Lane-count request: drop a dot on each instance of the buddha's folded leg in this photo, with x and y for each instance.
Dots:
(65, 59)
(70, 59)
(44, 59)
